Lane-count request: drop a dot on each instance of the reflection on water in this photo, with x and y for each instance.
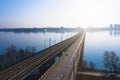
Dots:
(115, 32)
(98, 42)
(38, 40)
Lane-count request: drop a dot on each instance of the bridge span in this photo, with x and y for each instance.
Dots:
(65, 68)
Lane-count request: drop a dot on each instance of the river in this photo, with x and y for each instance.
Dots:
(96, 43)
(37, 40)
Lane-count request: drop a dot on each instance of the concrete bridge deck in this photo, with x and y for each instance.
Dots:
(66, 67)
(22, 69)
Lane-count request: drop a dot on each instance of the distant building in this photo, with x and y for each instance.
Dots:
(111, 27)
(116, 26)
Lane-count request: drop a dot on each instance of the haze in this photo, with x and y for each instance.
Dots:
(56, 13)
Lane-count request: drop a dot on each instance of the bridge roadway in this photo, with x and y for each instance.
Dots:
(65, 68)
(22, 69)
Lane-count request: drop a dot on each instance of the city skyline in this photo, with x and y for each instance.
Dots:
(56, 13)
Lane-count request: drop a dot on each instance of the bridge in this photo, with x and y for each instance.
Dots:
(67, 66)
(70, 50)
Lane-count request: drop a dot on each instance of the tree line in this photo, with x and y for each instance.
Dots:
(88, 66)
(13, 55)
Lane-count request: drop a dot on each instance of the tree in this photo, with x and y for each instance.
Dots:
(110, 60)
(2, 61)
(119, 66)
(29, 51)
(10, 54)
(21, 54)
(33, 50)
(84, 64)
(13, 55)
(106, 60)
(92, 66)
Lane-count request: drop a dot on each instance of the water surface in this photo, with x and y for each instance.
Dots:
(38, 40)
(98, 42)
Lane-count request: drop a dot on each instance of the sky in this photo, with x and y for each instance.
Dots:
(56, 13)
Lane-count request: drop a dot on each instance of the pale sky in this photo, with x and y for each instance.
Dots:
(56, 13)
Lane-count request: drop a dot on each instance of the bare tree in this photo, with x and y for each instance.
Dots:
(119, 66)
(13, 55)
(106, 60)
(21, 54)
(92, 66)
(110, 60)
(2, 61)
(29, 51)
(84, 64)
(33, 50)
(10, 54)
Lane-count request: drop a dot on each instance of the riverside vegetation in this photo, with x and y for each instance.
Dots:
(13, 55)
(111, 64)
